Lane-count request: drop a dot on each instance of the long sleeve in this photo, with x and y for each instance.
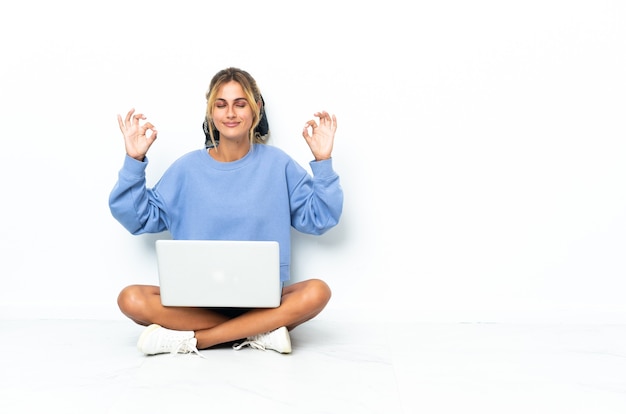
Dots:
(317, 202)
(132, 204)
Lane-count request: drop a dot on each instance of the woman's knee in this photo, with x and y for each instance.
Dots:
(131, 300)
(318, 292)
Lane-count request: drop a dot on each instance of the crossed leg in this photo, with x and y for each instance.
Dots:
(300, 302)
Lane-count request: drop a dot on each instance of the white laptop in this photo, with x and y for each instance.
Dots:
(219, 273)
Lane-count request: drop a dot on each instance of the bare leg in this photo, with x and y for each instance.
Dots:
(301, 302)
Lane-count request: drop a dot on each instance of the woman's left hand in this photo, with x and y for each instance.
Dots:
(323, 135)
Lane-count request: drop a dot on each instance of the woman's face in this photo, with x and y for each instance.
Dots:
(232, 115)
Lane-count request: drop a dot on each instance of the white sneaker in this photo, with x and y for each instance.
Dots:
(158, 340)
(277, 340)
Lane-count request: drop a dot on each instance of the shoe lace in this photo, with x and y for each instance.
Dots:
(255, 342)
(186, 346)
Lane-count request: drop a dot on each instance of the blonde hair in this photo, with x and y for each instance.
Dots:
(252, 95)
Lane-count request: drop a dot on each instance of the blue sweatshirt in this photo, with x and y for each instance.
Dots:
(258, 197)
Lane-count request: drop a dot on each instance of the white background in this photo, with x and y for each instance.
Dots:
(481, 146)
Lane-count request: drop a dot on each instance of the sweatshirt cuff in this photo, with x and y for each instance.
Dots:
(322, 168)
(134, 167)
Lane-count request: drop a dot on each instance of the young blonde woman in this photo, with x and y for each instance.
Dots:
(234, 188)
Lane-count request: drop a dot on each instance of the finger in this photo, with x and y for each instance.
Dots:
(149, 133)
(120, 122)
(305, 131)
(137, 118)
(152, 136)
(330, 119)
(147, 126)
(323, 116)
(129, 114)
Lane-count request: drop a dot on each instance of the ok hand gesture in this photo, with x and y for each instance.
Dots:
(323, 135)
(136, 138)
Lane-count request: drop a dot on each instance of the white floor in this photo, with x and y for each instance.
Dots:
(337, 366)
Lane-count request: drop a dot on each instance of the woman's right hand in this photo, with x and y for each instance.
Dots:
(136, 138)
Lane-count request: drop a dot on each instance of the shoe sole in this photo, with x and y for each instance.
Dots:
(146, 332)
